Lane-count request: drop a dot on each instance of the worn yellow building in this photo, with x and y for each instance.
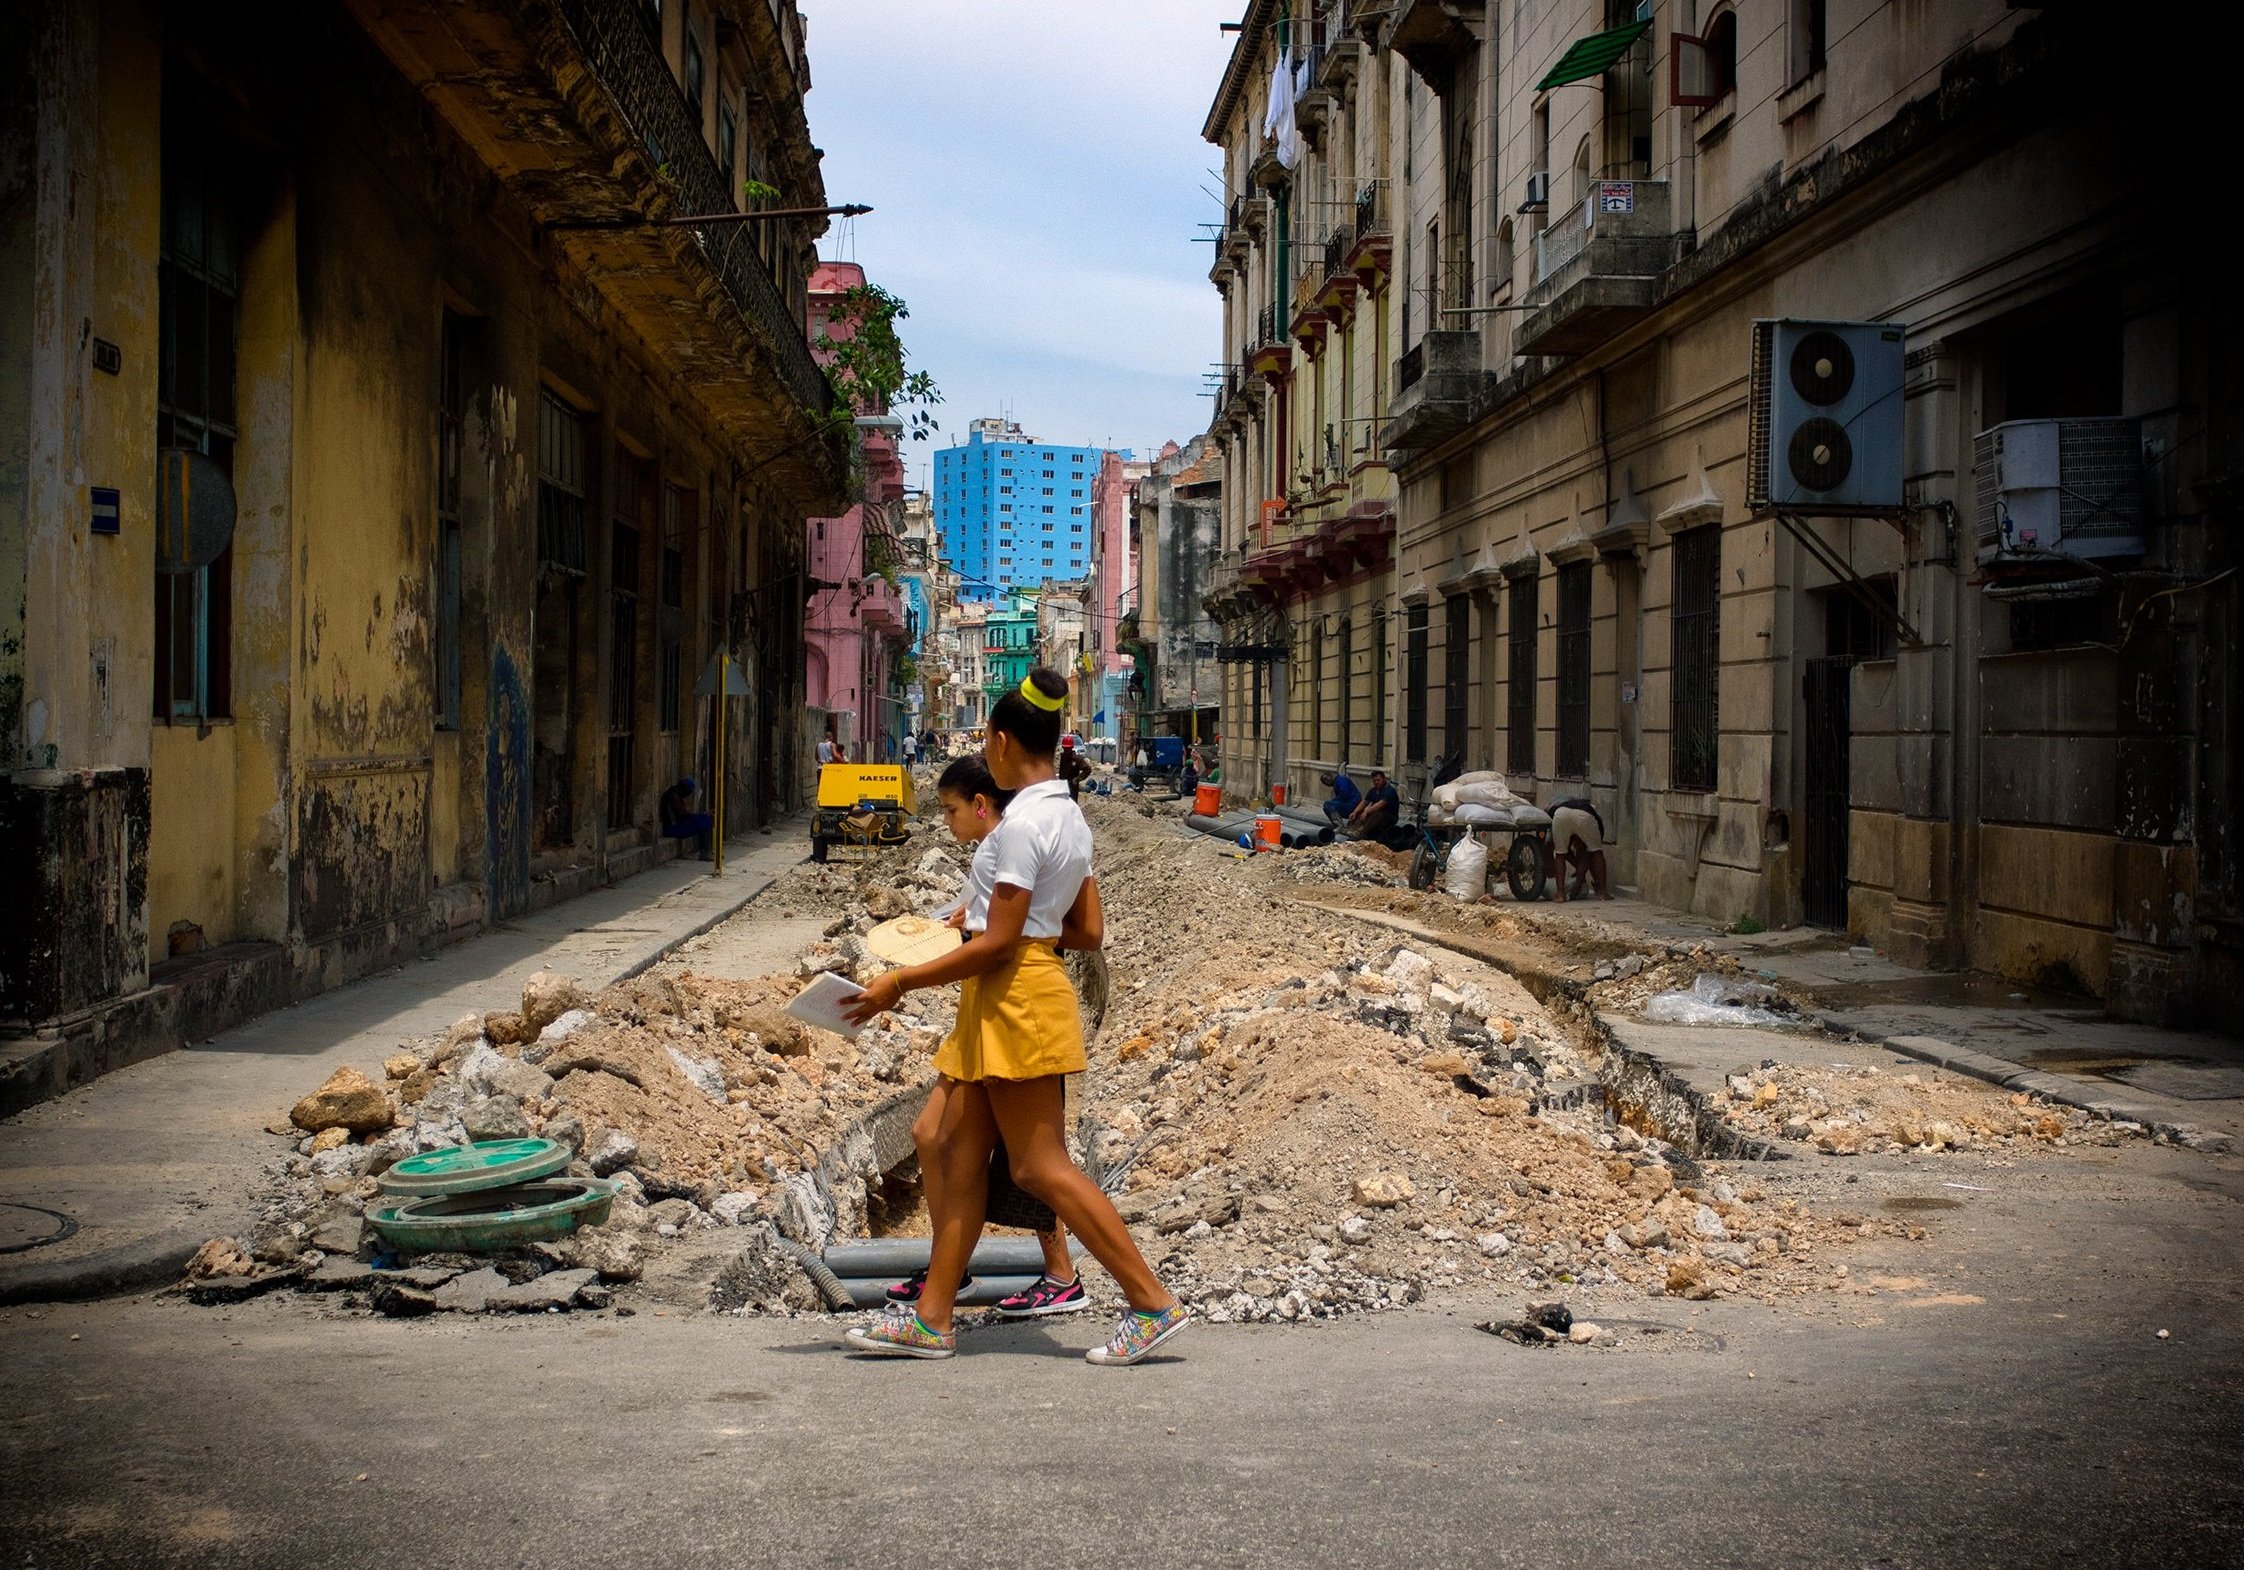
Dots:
(1968, 738)
(380, 467)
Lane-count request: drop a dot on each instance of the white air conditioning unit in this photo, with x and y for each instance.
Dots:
(2064, 487)
(1538, 192)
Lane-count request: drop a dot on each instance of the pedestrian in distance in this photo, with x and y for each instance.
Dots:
(1342, 803)
(972, 807)
(1074, 768)
(911, 749)
(829, 750)
(1019, 1034)
(1377, 812)
(1578, 838)
(680, 821)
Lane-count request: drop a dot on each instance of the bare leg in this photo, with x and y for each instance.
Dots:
(963, 1141)
(1057, 1264)
(1028, 1112)
(927, 1139)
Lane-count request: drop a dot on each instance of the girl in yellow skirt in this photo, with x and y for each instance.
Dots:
(1018, 1035)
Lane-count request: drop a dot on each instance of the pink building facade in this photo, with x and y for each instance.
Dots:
(1113, 575)
(853, 627)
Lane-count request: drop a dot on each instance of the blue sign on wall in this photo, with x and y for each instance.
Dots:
(105, 516)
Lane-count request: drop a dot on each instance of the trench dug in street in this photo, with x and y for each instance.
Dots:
(1313, 1093)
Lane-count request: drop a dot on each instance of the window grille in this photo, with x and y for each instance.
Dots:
(623, 649)
(1414, 683)
(1525, 598)
(1574, 670)
(1694, 718)
(560, 485)
(1457, 670)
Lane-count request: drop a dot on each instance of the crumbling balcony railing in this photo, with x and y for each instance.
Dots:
(629, 64)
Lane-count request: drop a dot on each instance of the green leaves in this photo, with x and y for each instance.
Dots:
(868, 365)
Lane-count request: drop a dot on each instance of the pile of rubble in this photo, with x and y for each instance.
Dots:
(1313, 1122)
(1852, 1111)
(1346, 862)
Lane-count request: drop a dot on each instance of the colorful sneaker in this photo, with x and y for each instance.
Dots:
(900, 1334)
(908, 1289)
(1137, 1335)
(1046, 1297)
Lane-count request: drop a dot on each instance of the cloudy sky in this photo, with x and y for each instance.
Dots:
(1040, 183)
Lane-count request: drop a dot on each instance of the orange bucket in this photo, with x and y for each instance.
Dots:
(1277, 795)
(1207, 800)
(1266, 826)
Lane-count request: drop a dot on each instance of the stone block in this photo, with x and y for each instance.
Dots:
(2154, 893)
(2047, 953)
(1870, 914)
(2071, 691)
(2047, 872)
(1872, 696)
(1874, 773)
(2058, 781)
(1870, 846)
(1921, 849)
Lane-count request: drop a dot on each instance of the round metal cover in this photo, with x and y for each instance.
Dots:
(1820, 454)
(464, 1169)
(1822, 368)
(194, 510)
(492, 1219)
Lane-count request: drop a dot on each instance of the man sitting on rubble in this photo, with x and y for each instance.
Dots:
(1345, 798)
(1376, 813)
(681, 822)
(1578, 835)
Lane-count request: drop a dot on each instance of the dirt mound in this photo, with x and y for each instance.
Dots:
(1314, 1120)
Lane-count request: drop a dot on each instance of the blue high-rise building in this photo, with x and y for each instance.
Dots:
(1011, 511)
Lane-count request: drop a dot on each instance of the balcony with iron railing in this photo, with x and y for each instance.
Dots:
(1598, 267)
(1369, 257)
(573, 107)
(1268, 354)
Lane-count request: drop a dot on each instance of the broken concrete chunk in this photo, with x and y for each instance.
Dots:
(495, 1117)
(1385, 1190)
(349, 1100)
(507, 1028)
(547, 996)
(401, 1301)
(400, 1065)
(470, 1293)
(615, 1151)
(612, 1252)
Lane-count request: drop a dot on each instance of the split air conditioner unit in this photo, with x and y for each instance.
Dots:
(1538, 192)
(2059, 487)
(1824, 418)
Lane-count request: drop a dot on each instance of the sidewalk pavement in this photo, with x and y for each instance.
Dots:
(154, 1159)
(2187, 1085)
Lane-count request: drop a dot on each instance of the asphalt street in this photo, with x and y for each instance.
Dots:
(1996, 1395)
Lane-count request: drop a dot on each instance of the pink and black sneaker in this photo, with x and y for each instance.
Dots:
(1046, 1297)
(908, 1289)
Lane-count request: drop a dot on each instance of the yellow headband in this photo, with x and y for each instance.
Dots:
(1049, 705)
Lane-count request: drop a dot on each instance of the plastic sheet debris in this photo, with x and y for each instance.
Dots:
(1718, 1000)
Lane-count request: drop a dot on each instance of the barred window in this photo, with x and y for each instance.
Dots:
(1347, 687)
(451, 413)
(1414, 683)
(1525, 597)
(1574, 670)
(560, 485)
(198, 290)
(1457, 670)
(1694, 719)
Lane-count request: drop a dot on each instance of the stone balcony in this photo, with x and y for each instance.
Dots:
(1598, 269)
(1436, 381)
(573, 107)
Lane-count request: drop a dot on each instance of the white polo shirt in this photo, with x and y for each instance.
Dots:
(1043, 846)
(974, 899)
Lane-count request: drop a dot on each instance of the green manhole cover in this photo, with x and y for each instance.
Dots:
(463, 1169)
(493, 1218)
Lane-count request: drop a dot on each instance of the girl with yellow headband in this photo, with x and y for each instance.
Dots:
(1018, 1036)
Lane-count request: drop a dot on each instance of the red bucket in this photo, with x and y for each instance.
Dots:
(1207, 800)
(1277, 795)
(1266, 829)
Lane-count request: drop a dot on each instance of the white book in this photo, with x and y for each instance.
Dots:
(821, 1002)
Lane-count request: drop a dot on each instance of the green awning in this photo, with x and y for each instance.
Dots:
(1592, 56)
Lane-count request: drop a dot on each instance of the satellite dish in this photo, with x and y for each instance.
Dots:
(194, 510)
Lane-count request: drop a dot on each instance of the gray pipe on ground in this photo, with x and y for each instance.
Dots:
(872, 1292)
(893, 1258)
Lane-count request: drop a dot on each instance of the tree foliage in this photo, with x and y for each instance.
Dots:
(870, 367)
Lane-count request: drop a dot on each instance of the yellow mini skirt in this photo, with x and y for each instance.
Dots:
(1017, 1022)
